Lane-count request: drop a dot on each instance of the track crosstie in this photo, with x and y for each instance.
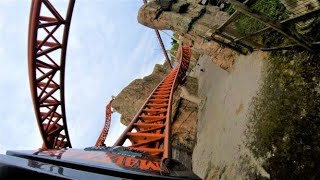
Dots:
(149, 131)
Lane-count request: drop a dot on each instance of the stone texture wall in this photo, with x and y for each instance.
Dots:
(196, 23)
(130, 99)
(184, 127)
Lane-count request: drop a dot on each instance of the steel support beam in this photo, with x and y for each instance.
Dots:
(161, 43)
(46, 63)
(103, 135)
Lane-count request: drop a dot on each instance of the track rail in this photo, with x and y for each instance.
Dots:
(149, 130)
(161, 42)
(103, 135)
(46, 62)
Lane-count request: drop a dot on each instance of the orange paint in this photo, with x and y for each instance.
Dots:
(149, 165)
(131, 162)
(107, 158)
(119, 160)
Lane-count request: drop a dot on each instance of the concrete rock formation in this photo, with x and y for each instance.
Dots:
(130, 99)
(196, 23)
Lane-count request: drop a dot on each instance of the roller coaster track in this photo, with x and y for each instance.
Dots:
(46, 62)
(149, 130)
(105, 130)
(161, 42)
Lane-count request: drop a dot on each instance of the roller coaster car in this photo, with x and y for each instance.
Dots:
(90, 163)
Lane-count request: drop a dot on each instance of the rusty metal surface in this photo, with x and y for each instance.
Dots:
(106, 127)
(46, 62)
(163, 48)
(149, 130)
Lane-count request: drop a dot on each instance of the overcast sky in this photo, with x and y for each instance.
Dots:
(107, 50)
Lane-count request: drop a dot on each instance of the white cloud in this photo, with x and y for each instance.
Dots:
(106, 51)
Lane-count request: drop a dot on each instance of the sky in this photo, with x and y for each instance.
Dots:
(107, 49)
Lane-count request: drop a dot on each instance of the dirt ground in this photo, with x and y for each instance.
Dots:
(222, 120)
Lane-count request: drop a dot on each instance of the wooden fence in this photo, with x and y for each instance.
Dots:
(267, 33)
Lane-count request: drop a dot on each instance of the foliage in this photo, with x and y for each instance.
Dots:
(285, 117)
(174, 47)
(247, 25)
(271, 8)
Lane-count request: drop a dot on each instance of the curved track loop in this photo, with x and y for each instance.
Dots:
(152, 122)
(105, 130)
(47, 46)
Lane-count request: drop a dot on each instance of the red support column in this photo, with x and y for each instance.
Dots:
(161, 44)
(106, 127)
(46, 63)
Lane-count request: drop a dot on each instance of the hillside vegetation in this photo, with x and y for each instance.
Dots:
(284, 127)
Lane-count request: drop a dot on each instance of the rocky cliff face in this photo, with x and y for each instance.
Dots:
(185, 119)
(196, 23)
(130, 99)
(184, 113)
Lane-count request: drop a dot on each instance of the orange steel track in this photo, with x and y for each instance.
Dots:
(46, 61)
(152, 122)
(105, 130)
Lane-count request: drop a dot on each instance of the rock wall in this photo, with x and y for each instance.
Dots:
(196, 23)
(185, 118)
(130, 99)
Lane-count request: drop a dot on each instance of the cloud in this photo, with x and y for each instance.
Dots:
(115, 129)
(18, 128)
(107, 50)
